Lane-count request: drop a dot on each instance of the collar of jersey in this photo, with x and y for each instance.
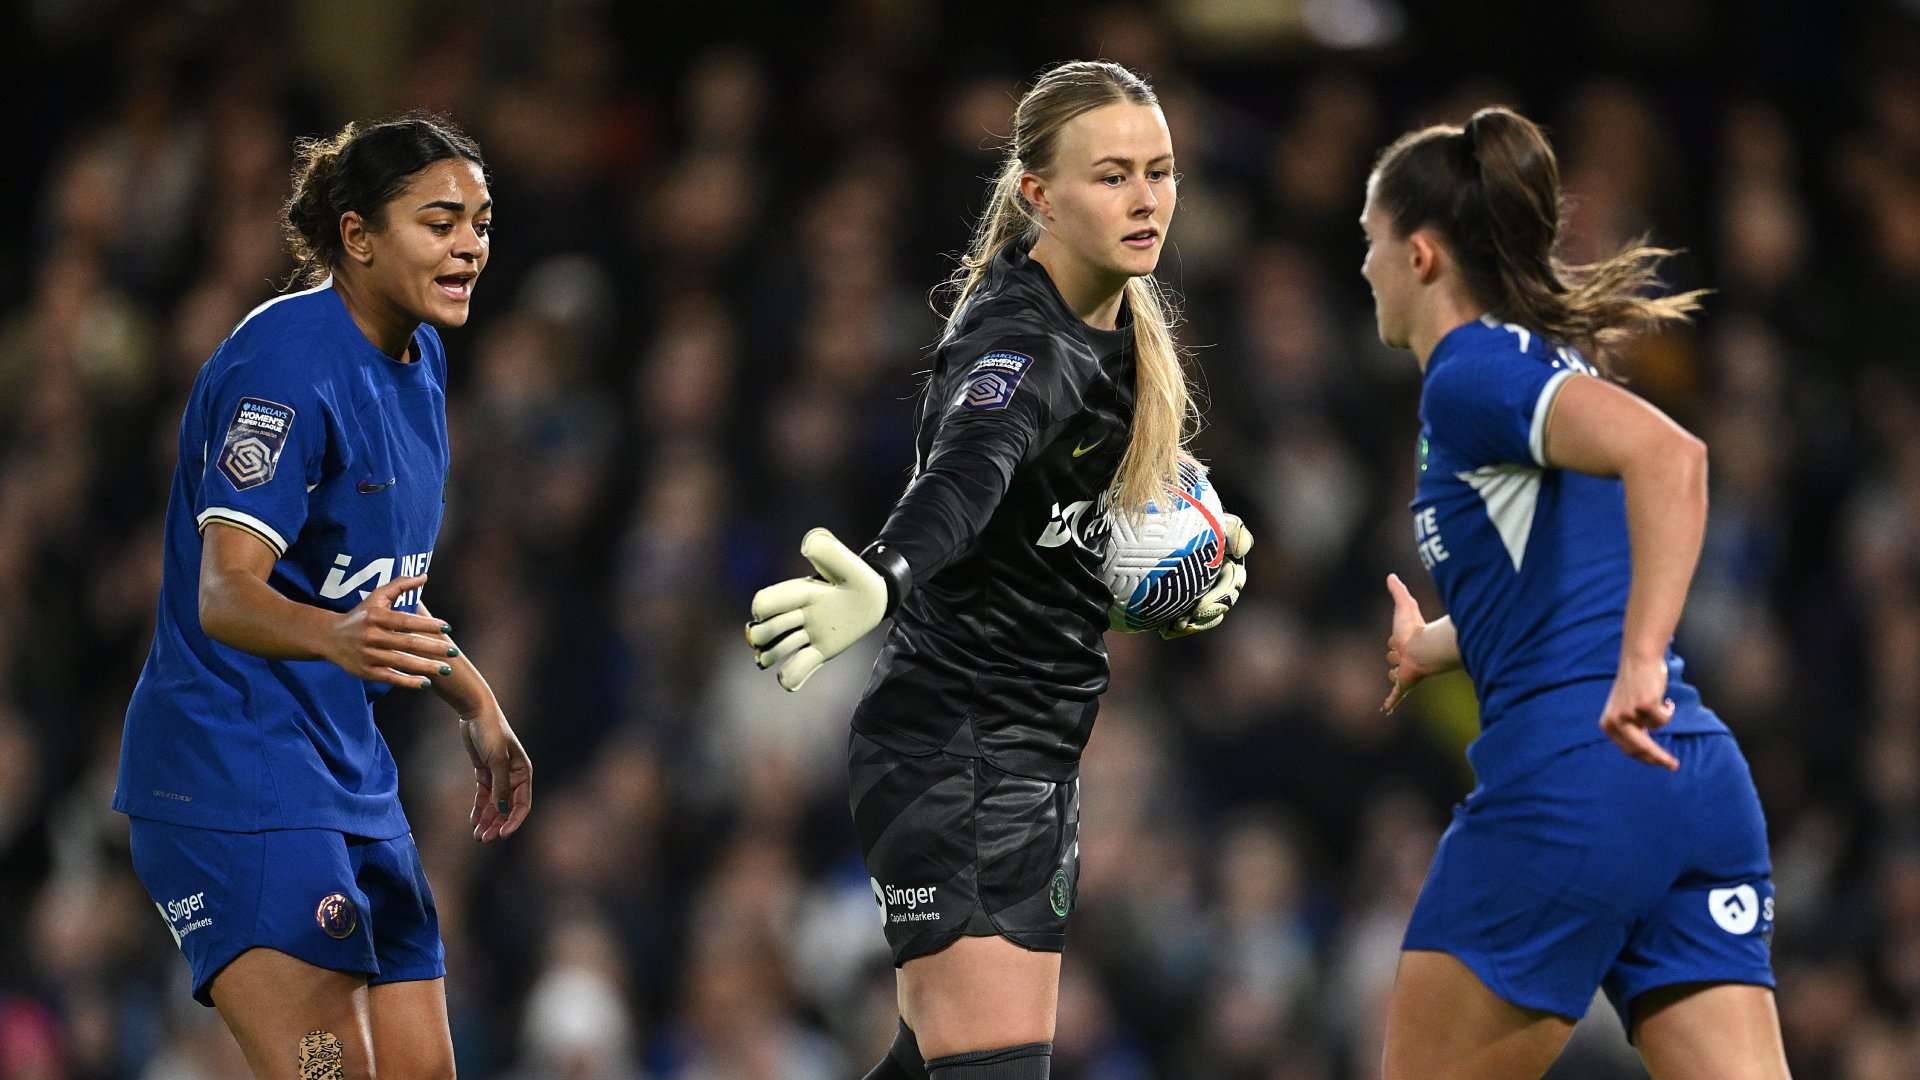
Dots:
(403, 373)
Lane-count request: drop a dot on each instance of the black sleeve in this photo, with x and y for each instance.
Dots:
(997, 401)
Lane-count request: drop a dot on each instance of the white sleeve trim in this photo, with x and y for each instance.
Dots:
(247, 521)
(1537, 437)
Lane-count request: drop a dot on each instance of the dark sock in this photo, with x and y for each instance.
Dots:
(1030, 1062)
(903, 1059)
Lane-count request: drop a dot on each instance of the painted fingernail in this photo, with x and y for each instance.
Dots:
(445, 670)
(501, 804)
(426, 684)
(445, 629)
(451, 651)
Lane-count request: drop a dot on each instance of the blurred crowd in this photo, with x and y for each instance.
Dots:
(699, 336)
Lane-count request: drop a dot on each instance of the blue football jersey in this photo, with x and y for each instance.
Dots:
(333, 454)
(1532, 562)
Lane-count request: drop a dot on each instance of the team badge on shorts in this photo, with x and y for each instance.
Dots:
(254, 441)
(994, 378)
(1059, 893)
(337, 916)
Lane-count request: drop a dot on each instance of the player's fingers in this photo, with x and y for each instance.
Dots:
(405, 680)
(831, 559)
(383, 596)
(789, 595)
(762, 634)
(1239, 539)
(1639, 745)
(405, 622)
(781, 649)
(1403, 601)
(1395, 696)
(435, 649)
(795, 673)
(522, 804)
(416, 666)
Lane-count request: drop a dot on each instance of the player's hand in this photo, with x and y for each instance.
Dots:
(1637, 706)
(502, 775)
(809, 621)
(376, 643)
(1415, 649)
(1212, 607)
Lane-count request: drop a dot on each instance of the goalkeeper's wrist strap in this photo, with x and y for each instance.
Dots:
(893, 570)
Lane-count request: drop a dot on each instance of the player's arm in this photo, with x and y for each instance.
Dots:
(1597, 428)
(239, 609)
(502, 772)
(982, 438)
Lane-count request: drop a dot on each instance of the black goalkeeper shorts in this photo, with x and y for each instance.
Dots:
(956, 847)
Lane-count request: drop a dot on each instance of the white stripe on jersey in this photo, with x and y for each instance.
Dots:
(1511, 493)
(326, 284)
(246, 521)
(1537, 436)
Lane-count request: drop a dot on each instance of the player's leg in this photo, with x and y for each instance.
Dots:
(295, 1021)
(1720, 1031)
(1694, 982)
(973, 870)
(272, 926)
(980, 994)
(411, 1037)
(1443, 1023)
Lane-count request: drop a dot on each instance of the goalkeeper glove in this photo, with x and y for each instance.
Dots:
(1213, 605)
(808, 621)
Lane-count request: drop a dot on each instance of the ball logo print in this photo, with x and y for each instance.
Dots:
(1736, 910)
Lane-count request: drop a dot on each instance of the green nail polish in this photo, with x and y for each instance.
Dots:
(451, 651)
(501, 804)
(426, 684)
(445, 670)
(445, 629)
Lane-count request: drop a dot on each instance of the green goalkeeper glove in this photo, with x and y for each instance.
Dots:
(1213, 605)
(809, 621)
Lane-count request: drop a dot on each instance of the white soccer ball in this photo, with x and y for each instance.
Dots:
(1159, 562)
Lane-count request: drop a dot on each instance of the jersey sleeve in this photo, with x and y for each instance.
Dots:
(994, 404)
(1492, 410)
(264, 444)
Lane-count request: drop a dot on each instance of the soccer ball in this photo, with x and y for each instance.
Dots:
(1159, 562)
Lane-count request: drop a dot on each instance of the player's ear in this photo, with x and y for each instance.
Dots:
(355, 239)
(1034, 190)
(1423, 256)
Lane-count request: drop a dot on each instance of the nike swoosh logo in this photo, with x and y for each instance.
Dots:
(367, 487)
(1082, 451)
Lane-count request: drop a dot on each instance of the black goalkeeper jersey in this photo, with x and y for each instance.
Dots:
(997, 651)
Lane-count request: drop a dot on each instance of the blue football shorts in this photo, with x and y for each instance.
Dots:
(1598, 871)
(335, 901)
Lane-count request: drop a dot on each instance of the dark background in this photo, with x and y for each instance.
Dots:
(718, 227)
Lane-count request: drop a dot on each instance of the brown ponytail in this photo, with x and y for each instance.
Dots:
(1491, 190)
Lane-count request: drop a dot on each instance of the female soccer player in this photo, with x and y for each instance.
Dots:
(1561, 517)
(267, 825)
(1056, 389)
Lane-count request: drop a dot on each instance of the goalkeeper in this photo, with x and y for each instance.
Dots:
(1056, 388)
